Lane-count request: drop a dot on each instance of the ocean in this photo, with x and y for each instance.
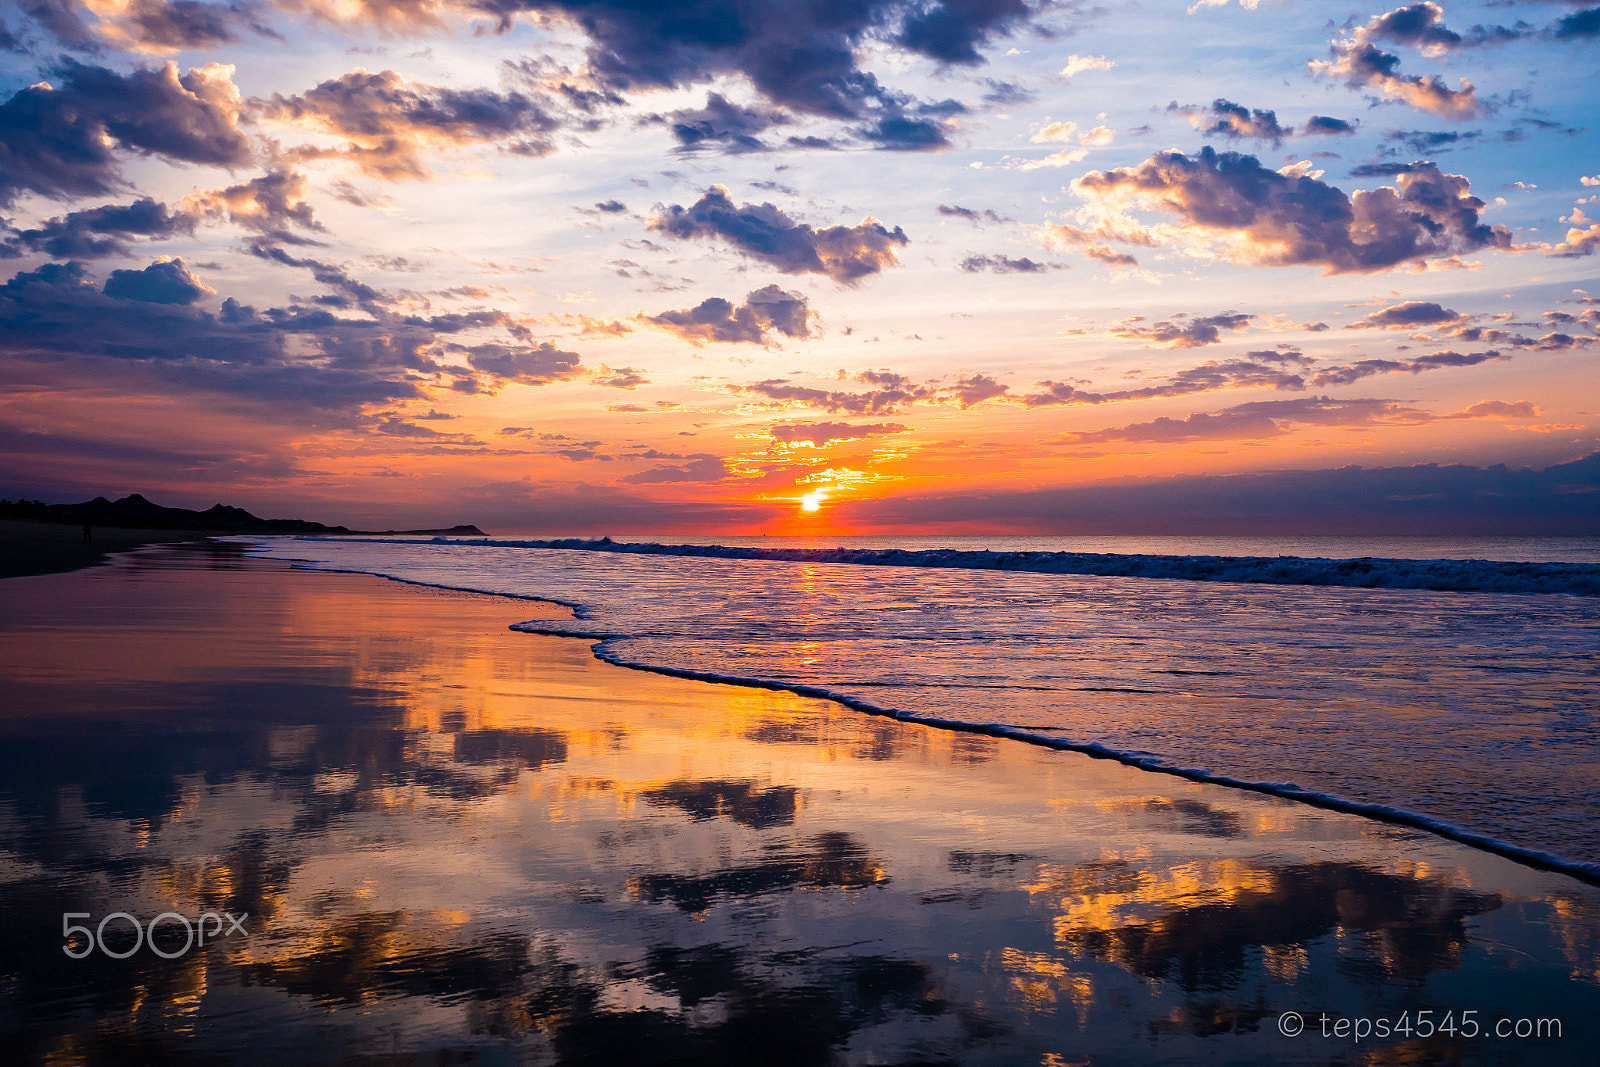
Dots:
(1458, 696)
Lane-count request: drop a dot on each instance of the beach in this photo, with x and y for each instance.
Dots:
(451, 841)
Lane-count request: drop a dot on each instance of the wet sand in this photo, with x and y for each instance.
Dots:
(51, 547)
(456, 843)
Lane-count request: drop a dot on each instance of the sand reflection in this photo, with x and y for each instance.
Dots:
(456, 842)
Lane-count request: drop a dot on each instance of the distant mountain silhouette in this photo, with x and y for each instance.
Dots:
(135, 511)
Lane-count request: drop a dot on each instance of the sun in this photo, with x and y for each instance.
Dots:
(811, 502)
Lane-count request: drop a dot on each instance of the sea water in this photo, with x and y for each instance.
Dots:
(1473, 712)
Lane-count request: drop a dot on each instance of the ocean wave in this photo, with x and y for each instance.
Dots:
(1439, 575)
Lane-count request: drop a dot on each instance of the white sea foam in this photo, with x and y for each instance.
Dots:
(1471, 712)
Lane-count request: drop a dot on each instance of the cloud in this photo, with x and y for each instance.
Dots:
(764, 310)
(892, 391)
(1409, 315)
(1002, 264)
(1258, 370)
(976, 388)
(1366, 368)
(1224, 118)
(389, 123)
(800, 57)
(722, 124)
(104, 231)
(58, 142)
(1195, 333)
(162, 282)
(1578, 242)
(988, 214)
(172, 25)
(1264, 419)
(1322, 125)
(1359, 63)
(844, 253)
(700, 468)
(1078, 64)
(822, 433)
(538, 364)
(620, 378)
(1287, 217)
(1580, 25)
(1421, 499)
(271, 206)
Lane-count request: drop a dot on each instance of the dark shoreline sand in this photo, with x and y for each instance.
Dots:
(458, 843)
(28, 548)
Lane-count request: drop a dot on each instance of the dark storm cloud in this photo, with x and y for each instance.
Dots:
(764, 310)
(390, 123)
(844, 253)
(722, 124)
(1224, 118)
(821, 433)
(1410, 315)
(162, 282)
(1002, 264)
(56, 139)
(1366, 368)
(103, 231)
(1295, 219)
(1195, 333)
(891, 391)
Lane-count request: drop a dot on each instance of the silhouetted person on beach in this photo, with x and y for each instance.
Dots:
(86, 537)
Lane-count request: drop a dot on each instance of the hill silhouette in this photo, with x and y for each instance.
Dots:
(135, 512)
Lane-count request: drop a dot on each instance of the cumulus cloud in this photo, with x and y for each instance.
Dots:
(990, 215)
(57, 137)
(1195, 333)
(162, 282)
(1230, 205)
(389, 124)
(822, 433)
(1224, 118)
(802, 57)
(103, 231)
(1410, 315)
(1360, 63)
(537, 364)
(764, 311)
(271, 206)
(762, 231)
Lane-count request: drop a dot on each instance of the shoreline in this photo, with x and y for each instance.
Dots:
(458, 839)
(33, 548)
(1533, 858)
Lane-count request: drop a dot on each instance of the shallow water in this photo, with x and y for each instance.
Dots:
(1471, 710)
(456, 843)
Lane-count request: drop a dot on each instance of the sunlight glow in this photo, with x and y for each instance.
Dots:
(811, 502)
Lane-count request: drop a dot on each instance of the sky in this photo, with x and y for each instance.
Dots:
(795, 266)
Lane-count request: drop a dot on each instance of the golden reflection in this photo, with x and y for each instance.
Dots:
(452, 836)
